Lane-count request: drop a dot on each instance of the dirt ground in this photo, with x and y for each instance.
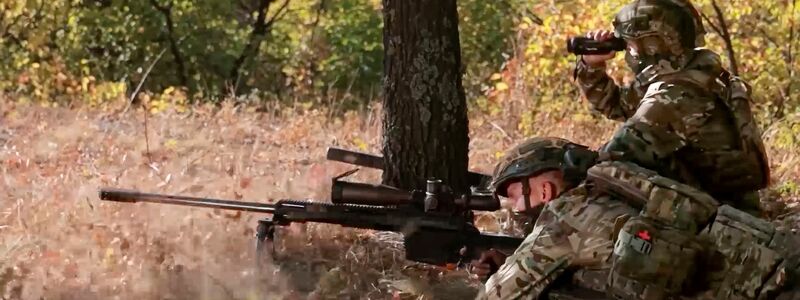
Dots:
(59, 241)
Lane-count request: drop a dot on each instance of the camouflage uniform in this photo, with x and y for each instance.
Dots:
(581, 222)
(569, 254)
(574, 230)
(632, 230)
(537, 155)
(684, 115)
(630, 233)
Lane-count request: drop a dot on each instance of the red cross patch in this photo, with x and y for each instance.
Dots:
(643, 235)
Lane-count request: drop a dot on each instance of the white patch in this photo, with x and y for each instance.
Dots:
(575, 242)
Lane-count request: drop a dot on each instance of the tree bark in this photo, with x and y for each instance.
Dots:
(425, 114)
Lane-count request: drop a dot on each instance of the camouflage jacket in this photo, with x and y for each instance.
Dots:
(693, 125)
(575, 244)
(573, 230)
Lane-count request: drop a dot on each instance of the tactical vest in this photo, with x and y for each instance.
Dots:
(739, 168)
(750, 259)
(683, 243)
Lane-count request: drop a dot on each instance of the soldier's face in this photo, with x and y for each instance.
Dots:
(646, 46)
(633, 48)
(544, 187)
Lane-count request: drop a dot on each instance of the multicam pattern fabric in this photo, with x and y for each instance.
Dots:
(539, 154)
(661, 18)
(656, 252)
(756, 259)
(647, 247)
(661, 199)
(574, 230)
(678, 123)
(661, 31)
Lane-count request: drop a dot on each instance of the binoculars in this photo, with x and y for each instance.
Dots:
(584, 45)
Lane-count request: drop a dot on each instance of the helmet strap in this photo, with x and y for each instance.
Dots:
(526, 193)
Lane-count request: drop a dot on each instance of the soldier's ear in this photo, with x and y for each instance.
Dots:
(548, 190)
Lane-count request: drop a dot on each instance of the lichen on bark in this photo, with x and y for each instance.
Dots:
(425, 126)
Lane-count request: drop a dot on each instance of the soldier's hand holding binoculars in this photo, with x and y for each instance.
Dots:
(599, 60)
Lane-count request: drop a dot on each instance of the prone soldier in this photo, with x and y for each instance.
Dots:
(546, 165)
(628, 233)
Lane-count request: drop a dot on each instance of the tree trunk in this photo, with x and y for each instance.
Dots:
(425, 114)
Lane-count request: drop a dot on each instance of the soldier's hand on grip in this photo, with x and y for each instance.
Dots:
(487, 264)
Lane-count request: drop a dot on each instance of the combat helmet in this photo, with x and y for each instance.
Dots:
(663, 31)
(539, 154)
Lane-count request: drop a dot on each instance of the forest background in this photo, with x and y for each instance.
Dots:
(240, 93)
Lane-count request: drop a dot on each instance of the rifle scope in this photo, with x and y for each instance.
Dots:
(344, 192)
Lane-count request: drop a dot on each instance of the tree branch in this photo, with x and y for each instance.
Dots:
(35, 16)
(13, 38)
(17, 40)
(726, 36)
(14, 22)
(768, 37)
(711, 23)
(3, 29)
(141, 81)
(245, 5)
(282, 11)
(789, 59)
(33, 23)
(787, 53)
(765, 34)
(38, 15)
(790, 51)
(173, 45)
(317, 17)
(312, 63)
(260, 29)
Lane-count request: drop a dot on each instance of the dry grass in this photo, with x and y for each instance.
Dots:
(60, 242)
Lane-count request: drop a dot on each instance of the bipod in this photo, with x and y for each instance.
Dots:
(265, 243)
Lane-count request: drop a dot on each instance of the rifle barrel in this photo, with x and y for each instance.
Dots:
(120, 195)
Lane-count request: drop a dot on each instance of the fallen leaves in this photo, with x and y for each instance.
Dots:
(245, 182)
(55, 233)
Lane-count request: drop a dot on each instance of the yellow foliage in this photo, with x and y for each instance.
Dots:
(501, 86)
(498, 154)
(171, 144)
(108, 258)
(360, 144)
(50, 82)
(171, 97)
(785, 134)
